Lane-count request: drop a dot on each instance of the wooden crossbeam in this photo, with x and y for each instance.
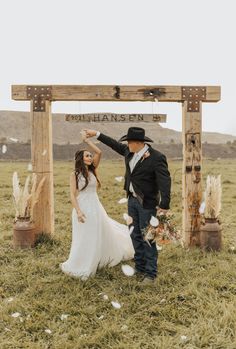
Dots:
(113, 117)
(115, 93)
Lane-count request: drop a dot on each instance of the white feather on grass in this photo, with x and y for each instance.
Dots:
(48, 331)
(64, 317)
(9, 300)
(122, 201)
(116, 305)
(119, 179)
(127, 270)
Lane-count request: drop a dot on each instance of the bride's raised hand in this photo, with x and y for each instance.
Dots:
(90, 133)
(83, 135)
(81, 216)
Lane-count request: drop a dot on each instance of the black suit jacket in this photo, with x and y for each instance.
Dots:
(150, 177)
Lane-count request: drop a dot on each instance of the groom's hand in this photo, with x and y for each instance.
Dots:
(90, 133)
(161, 211)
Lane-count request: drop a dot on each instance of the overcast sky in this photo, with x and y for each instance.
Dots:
(178, 42)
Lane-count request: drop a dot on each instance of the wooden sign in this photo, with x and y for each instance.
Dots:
(111, 117)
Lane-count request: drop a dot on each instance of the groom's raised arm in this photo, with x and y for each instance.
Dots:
(112, 143)
(120, 148)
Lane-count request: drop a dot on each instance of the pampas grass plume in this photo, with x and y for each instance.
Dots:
(213, 196)
(25, 199)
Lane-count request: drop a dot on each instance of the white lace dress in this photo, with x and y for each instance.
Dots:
(100, 240)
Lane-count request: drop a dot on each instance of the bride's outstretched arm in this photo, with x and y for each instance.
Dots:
(73, 196)
(98, 152)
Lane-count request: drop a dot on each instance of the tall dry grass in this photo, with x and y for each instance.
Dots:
(26, 197)
(212, 196)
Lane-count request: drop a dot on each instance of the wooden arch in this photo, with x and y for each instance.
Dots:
(191, 98)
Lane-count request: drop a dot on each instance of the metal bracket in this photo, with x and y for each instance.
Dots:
(188, 169)
(39, 94)
(197, 168)
(193, 95)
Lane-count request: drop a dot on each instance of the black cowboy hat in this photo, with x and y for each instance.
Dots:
(135, 134)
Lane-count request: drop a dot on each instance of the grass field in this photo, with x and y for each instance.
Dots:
(193, 304)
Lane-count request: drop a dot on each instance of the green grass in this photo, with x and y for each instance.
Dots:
(194, 296)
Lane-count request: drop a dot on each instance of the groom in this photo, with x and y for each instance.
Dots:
(147, 184)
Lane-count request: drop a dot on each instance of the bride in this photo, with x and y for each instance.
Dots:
(97, 240)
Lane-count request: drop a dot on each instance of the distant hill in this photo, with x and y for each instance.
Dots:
(16, 125)
(22, 151)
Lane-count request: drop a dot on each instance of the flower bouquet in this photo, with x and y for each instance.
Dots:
(161, 229)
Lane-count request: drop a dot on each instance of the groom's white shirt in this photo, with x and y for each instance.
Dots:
(133, 162)
(136, 157)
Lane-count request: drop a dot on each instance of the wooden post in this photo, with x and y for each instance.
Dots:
(191, 174)
(42, 163)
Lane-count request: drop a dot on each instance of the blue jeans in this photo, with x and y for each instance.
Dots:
(145, 256)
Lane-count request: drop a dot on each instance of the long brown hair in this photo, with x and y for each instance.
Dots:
(80, 168)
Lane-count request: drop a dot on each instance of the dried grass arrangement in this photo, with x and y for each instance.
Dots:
(210, 229)
(212, 197)
(26, 197)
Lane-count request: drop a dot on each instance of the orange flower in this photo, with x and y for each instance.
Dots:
(164, 242)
